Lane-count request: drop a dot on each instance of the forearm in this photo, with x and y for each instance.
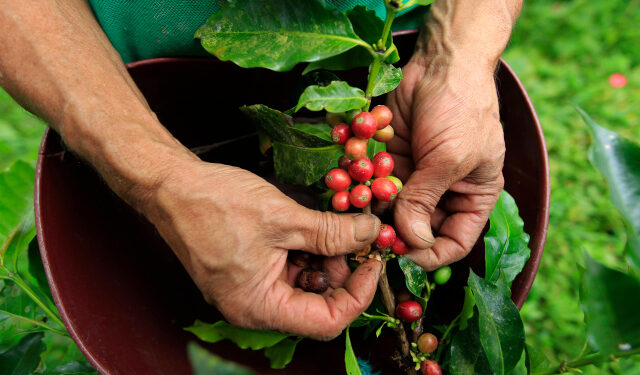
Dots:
(57, 62)
(467, 33)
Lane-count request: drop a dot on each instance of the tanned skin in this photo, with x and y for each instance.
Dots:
(56, 61)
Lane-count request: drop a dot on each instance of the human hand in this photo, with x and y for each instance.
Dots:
(449, 149)
(232, 231)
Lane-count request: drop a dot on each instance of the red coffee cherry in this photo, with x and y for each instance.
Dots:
(384, 135)
(427, 343)
(340, 133)
(361, 170)
(364, 125)
(360, 196)
(399, 247)
(384, 189)
(382, 164)
(383, 116)
(386, 237)
(356, 148)
(337, 179)
(314, 281)
(430, 367)
(408, 311)
(344, 162)
(340, 201)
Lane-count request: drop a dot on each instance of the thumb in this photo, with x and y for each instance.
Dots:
(330, 234)
(415, 206)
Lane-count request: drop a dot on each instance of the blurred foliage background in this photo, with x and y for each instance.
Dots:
(564, 52)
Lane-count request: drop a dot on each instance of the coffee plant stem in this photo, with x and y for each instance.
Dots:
(445, 336)
(389, 302)
(391, 14)
(570, 366)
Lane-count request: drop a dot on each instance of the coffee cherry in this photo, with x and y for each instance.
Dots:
(384, 135)
(408, 311)
(314, 281)
(364, 125)
(350, 115)
(396, 181)
(356, 148)
(299, 258)
(340, 133)
(340, 201)
(334, 118)
(427, 343)
(344, 162)
(403, 295)
(337, 179)
(383, 116)
(384, 190)
(399, 247)
(360, 196)
(386, 236)
(361, 170)
(430, 367)
(382, 164)
(442, 275)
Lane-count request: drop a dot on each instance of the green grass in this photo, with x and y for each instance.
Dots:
(564, 53)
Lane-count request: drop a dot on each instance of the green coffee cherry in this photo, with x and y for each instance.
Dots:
(442, 275)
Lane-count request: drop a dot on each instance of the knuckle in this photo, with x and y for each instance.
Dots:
(327, 236)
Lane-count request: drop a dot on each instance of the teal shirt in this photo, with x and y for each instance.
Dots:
(144, 29)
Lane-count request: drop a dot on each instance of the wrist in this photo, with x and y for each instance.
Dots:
(133, 155)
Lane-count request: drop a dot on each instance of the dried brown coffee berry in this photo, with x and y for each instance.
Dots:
(314, 281)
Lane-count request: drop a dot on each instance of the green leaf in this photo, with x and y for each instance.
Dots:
(24, 358)
(368, 27)
(73, 368)
(337, 97)
(618, 159)
(16, 304)
(277, 34)
(521, 366)
(18, 241)
(304, 166)
(321, 130)
(414, 275)
(424, 2)
(536, 360)
(205, 363)
(280, 128)
(501, 328)
(467, 308)
(244, 338)
(16, 211)
(506, 242)
(281, 353)
(467, 356)
(609, 300)
(374, 147)
(387, 80)
(36, 269)
(350, 360)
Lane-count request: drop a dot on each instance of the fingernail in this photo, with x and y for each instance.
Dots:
(365, 226)
(423, 231)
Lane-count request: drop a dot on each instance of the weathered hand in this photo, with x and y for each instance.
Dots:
(232, 231)
(449, 149)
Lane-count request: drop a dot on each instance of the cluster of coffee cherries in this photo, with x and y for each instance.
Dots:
(409, 311)
(358, 178)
